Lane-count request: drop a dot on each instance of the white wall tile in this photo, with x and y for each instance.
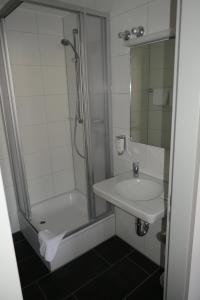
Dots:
(22, 20)
(23, 48)
(63, 181)
(158, 15)
(34, 138)
(61, 158)
(40, 188)
(155, 161)
(121, 165)
(121, 110)
(56, 107)
(31, 110)
(49, 24)
(51, 50)
(121, 74)
(55, 81)
(80, 173)
(27, 80)
(37, 164)
(59, 134)
(138, 153)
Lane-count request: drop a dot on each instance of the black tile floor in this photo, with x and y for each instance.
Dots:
(111, 271)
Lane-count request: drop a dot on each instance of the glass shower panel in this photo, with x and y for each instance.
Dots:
(43, 72)
(95, 39)
(72, 33)
(9, 128)
(40, 86)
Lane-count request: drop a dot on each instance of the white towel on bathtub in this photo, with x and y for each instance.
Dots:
(49, 244)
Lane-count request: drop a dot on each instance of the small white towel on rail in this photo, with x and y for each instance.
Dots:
(49, 244)
(161, 96)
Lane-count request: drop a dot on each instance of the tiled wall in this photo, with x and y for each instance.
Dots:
(40, 84)
(154, 16)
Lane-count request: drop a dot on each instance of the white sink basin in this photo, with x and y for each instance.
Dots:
(139, 189)
(142, 197)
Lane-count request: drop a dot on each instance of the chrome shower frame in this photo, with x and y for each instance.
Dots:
(14, 141)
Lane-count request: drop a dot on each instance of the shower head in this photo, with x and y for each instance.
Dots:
(66, 42)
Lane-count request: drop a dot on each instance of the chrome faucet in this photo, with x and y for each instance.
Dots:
(136, 169)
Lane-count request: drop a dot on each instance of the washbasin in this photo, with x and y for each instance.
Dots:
(142, 197)
(139, 189)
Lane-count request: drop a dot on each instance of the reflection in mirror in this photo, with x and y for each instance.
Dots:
(151, 93)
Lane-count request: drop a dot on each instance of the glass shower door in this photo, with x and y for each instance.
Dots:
(98, 107)
(11, 130)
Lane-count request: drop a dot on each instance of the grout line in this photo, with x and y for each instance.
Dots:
(41, 290)
(102, 257)
(139, 266)
(109, 267)
(88, 281)
(106, 270)
(39, 278)
(99, 275)
(139, 285)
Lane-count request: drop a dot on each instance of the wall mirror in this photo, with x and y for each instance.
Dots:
(151, 92)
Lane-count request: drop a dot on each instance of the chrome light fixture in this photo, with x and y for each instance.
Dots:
(138, 31)
(125, 35)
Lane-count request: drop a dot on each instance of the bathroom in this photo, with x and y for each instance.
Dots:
(94, 117)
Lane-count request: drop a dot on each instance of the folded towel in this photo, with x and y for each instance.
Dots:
(49, 244)
(161, 96)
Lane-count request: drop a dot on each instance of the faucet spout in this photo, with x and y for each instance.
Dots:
(136, 169)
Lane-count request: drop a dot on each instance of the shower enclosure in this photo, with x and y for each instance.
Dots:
(55, 107)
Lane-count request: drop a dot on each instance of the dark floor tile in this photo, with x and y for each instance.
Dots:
(151, 289)
(23, 250)
(115, 283)
(113, 249)
(33, 292)
(67, 279)
(31, 269)
(148, 265)
(17, 236)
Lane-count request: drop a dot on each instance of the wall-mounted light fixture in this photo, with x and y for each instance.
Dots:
(138, 31)
(126, 35)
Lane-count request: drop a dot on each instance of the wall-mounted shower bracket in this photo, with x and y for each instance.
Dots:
(142, 227)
